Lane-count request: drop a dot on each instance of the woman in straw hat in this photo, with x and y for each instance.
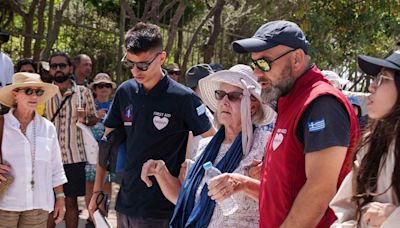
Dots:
(102, 87)
(31, 155)
(370, 195)
(234, 96)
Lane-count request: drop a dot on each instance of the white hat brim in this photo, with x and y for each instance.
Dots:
(209, 84)
(7, 98)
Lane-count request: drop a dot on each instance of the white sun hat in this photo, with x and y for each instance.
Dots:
(334, 78)
(240, 76)
(25, 79)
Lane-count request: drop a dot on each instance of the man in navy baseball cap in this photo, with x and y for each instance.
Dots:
(272, 34)
(315, 132)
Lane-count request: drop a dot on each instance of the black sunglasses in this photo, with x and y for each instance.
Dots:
(176, 72)
(143, 66)
(265, 64)
(103, 85)
(232, 96)
(54, 66)
(29, 91)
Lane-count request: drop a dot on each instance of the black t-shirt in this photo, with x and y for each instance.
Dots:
(324, 123)
(156, 123)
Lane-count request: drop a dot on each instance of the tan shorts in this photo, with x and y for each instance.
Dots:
(24, 219)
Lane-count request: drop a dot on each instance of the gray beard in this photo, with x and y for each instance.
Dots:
(270, 96)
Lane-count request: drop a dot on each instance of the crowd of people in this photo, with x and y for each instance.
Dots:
(292, 149)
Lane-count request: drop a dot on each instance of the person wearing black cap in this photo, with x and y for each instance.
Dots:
(193, 76)
(314, 135)
(369, 195)
(7, 67)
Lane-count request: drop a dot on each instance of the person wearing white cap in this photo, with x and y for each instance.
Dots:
(370, 195)
(31, 155)
(334, 79)
(235, 97)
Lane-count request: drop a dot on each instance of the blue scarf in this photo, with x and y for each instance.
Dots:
(186, 213)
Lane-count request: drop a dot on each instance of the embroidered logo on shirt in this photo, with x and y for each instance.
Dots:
(161, 120)
(201, 110)
(127, 116)
(278, 138)
(314, 126)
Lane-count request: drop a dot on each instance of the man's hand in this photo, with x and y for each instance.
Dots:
(59, 210)
(374, 214)
(255, 169)
(224, 185)
(152, 168)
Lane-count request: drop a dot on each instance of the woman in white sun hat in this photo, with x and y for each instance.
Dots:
(31, 155)
(235, 97)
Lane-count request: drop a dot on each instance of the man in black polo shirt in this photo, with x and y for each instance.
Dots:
(157, 113)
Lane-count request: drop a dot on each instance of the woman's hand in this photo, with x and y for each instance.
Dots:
(255, 169)
(152, 168)
(4, 169)
(374, 214)
(225, 185)
(59, 210)
(102, 113)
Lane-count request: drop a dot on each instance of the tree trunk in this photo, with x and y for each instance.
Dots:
(55, 29)
(209, 47)
(129, 10)
(195, 34)
(40, 30)
(178, 52)
(173, 24)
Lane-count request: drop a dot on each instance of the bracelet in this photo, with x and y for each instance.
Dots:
(60, 195)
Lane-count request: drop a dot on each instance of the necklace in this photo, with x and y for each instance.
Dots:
(33, 150)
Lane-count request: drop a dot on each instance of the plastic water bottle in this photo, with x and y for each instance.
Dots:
(228, 205)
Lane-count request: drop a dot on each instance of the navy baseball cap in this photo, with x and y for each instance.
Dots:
(272, 34)
(372, 66)
(199, 71)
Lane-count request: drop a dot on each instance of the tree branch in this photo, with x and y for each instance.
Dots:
(16, 7)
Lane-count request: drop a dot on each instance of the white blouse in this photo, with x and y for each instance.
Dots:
(247, 214)
(48, 167)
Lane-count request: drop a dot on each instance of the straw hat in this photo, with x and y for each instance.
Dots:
(24, 79)
(102, 78)
(240, 76)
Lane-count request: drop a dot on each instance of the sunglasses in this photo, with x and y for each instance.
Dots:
(264, 64)
(143, 66)
(103, 85)
(29, 91)
(174, 72)
(54, 66)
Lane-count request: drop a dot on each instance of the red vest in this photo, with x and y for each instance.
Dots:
(283, 172)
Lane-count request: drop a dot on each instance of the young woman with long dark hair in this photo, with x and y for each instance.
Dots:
(369, 196)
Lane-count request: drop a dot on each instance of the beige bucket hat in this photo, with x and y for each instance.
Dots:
(25, 79)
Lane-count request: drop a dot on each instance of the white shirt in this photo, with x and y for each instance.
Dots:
(6, 70)
(48, 171)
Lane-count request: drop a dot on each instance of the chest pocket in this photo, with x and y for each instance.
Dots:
(43, 148)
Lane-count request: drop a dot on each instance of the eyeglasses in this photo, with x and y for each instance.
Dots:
(54, 66)
(176, 72)
(143, 66)
(29, 91)
(103, 85)
(232, 96)
(377, 81)
(265, 64)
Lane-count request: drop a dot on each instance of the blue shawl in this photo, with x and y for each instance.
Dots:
(186, 213)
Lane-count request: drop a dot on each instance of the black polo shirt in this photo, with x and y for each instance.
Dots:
(157, 123)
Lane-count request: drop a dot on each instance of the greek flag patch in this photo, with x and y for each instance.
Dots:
(315, 126)
(201, 109)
